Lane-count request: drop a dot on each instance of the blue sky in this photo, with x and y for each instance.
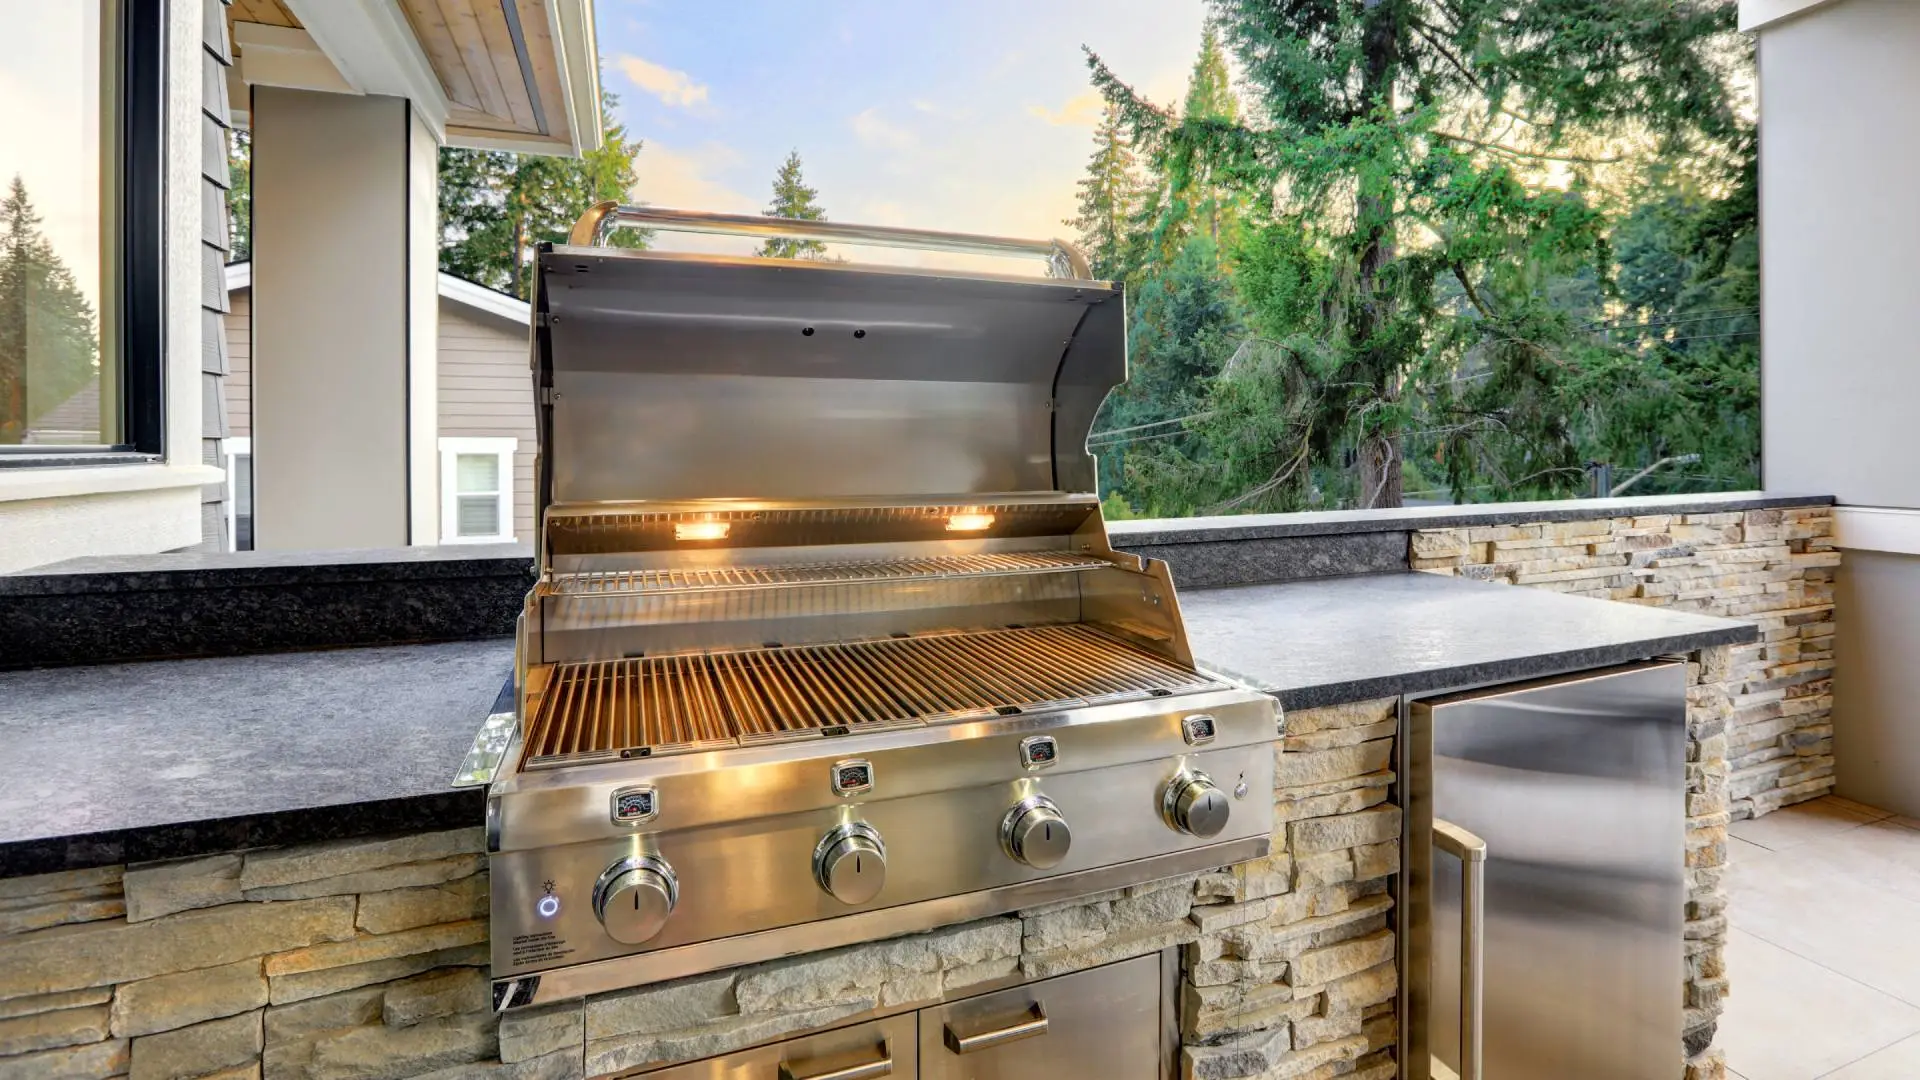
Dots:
(975, 116)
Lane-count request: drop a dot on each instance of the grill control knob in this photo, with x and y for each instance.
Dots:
(1035, 833)
(1193, 804)
(634, 897)
(850, 862)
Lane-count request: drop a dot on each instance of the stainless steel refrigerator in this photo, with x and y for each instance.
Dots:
(1545, 878)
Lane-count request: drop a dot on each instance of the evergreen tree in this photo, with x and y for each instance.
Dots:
(49, 347)
(792, 198)
(1109, 197)
(239, 195)
(495, 206)
(1406, 145)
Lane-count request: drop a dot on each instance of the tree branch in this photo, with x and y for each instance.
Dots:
(1533, 154)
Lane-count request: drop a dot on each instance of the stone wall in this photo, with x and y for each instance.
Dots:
(1773, 568)
(363, 959)
(1760, 732)
(367, 958)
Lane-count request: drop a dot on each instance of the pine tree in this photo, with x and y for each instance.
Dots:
(792, 198)
(49, 347)
(495, 206)
(1401, 149)
(239, 195)
(1109, 197)
(1195, 190)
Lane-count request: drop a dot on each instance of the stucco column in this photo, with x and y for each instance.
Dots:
(344, 322)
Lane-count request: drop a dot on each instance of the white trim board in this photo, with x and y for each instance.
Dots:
(1755, 14)
(1877, 528)
(372, 45)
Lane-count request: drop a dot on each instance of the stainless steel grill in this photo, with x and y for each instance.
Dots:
(654, 705)
(828, 642)
(720, 578)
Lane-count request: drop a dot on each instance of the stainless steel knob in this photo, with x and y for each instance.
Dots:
(1193, 804)
(1035, 833)
(850, 862)
(634, 897)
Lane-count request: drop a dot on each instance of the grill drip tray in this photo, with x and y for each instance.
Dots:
(606, 710)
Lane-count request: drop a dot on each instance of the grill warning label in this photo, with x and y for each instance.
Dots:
(542, 948)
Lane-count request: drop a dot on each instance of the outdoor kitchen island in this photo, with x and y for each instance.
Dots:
(333, 953)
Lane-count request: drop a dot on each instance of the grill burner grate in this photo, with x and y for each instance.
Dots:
(651, 705)
(699, 578)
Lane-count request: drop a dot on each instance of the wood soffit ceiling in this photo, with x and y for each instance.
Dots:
(495, 60)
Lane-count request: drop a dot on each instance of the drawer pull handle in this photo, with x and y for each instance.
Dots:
(865, 1070)
(1033, 1026)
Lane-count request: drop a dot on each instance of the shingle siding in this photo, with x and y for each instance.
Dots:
(216, 57)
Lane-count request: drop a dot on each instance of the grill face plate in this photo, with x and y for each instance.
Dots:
(667, 704)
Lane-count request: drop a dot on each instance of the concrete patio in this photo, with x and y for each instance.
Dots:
(1824, 951)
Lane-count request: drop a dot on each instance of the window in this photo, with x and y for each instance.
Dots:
(239, 452)
(476, 490)
(80, 227)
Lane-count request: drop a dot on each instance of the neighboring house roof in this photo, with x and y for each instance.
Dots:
(458, 290)
(76, 419)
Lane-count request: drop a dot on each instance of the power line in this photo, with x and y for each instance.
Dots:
(1678, 317)
(1155, 424)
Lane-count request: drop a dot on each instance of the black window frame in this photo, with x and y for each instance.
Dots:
(140, 223)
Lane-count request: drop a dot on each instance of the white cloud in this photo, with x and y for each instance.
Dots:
(875, 130)
(1080, 110)
(685, 179)
(672, 87)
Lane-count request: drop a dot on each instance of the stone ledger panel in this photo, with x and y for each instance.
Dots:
(367, 958)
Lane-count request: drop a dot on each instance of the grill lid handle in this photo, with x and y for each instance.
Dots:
(1064, 260)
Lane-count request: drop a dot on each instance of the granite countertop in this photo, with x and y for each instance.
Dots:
(131, 762)
(1330, 640)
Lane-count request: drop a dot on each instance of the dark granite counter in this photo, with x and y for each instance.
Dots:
(130, 762)
(101, 610)
(1331, 640)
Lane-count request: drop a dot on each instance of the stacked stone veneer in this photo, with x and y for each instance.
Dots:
(354, 959)
(1760, 732)
(1773, 568)
(366, 958)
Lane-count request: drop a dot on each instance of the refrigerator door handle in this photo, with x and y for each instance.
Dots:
(1472, 853)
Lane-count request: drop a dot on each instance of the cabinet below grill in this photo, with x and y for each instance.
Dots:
(1106, 1023)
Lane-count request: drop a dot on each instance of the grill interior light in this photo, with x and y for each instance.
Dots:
(969, 522)
(700, 530)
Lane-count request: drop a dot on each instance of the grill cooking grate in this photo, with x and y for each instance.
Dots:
(703, 578)
(666, 704)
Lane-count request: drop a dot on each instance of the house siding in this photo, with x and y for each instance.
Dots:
(239, 388)
(485, 389)
(216, 58)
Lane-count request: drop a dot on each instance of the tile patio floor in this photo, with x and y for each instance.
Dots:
(1824, 951)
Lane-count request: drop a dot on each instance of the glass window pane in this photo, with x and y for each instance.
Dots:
(479, 516)
(54, 252)
(477, 472)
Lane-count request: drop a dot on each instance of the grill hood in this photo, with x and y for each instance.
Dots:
(675, 377)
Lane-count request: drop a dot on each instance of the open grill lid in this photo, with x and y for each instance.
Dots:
(673, 376)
